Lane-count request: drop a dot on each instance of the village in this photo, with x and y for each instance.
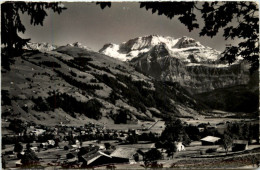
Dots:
(98, 145)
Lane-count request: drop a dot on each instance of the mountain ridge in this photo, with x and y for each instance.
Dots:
(126, 51)
(73, 85)
(181, 60)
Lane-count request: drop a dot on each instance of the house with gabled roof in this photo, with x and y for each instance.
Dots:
(18, 163)
(210, 140)
(124, 155)
(96, 159)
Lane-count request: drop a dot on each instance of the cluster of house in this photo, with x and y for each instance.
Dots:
(97, 155)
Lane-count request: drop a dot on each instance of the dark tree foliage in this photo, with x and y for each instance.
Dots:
(51, 64)
(113, 97)
(3, 162)
(81, 85)
(233, 99)
(217, 16)
(5, 98)
(104, 4)
(193, 132)
(17, 126)
(11, 23)
(133, 138)
(243, 131)
(140, 96)
(175, 131)
(70, 105)
(152, 155)
(122, 116)
(18, 147)
(40, 104)
(226, 142)
(29, 158)
(170, 148)
(73, 64)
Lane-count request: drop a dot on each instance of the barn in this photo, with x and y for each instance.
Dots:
(239, 145)
(210, 140)
(97, 159)
(124, 155)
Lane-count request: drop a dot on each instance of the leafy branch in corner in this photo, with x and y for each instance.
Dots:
(11, 23)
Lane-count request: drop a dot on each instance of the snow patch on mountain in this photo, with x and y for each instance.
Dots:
(209, 65)
(43, 47)
(79, 45)
(180, 48)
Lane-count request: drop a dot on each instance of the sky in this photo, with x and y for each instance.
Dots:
(88, 24)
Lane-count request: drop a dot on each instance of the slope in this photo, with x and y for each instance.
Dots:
(73, 85)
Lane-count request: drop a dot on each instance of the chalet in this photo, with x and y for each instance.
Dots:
(180, 146)
(101, 147)
(96, 159)
(124, 155)
(121, 139)
(34, 149)
(51, 143)
(201, 129)
(253, 141)
(210, 140)
(18, 163)
(44, 145)
(77, 142)
(74, 147)
(71, 158)
(38, 132)
(239, 145)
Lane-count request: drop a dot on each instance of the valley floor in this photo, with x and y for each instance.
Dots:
(191, 157)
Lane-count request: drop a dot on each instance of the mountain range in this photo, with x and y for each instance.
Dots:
(180, 48)
(74, 85)
(152, 77)
(184, 60)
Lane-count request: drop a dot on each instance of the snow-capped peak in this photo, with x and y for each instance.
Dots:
(178, 47)
(39, 46)
(79, 45)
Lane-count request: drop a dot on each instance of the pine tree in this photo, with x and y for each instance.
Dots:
(11, 24)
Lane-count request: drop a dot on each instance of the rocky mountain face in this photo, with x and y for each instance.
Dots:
(181, 60)
(74, 85)
(180, 48)
(239, 98)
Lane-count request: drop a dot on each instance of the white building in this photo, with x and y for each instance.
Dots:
(180, 146)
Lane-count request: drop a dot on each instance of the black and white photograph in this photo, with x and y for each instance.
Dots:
(130, 85)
